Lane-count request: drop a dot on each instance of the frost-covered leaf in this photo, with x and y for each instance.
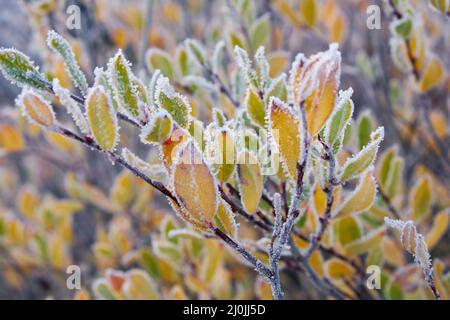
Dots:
(250, 181)
(420, 199)
(255, 107)
(101, 79)
(171, 145)
(357, 164)
(245, 66)
(158, 129)
(413, 242)
(277, 88)
(320, 104)
(35, 108)
(362, 197)
(125, 92)
(336, 126)
(226, 220)
(222, 149)
(60, 46)
(20, 70)
(194, 184)
(102, 118)
(73, 108)
(285, 129)
(158, 59)
(174, 103)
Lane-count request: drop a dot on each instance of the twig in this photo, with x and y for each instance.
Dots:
(329, 156)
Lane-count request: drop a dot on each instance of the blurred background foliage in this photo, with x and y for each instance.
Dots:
(61, 204)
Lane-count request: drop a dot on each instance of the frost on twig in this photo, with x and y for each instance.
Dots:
(414, 243)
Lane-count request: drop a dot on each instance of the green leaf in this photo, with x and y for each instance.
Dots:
(102, 119)
(255, 108)
(158, 59)
(402, 27)
(60, 46)
(335, 128)
(20, 70)
(365, 127)
(158, 129)
(356, 165)
(103, 290)
(278, 89)
(260, 32)
(196, 51)
(125, 92)
(173, 102)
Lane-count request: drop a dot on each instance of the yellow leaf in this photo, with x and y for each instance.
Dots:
(320, 105)
(194, 184)
(337, 29)
(420, 199)
(316, 262)
(348, 229)
(171, 145)
(11, 139)
(27, 202)
(36, 109)
(308, 9)
(250, 181)
(433, 75)
(362, 198)
(439, 123)
(102, 119)
(60, 141)
(122, 191)
(226, 219)
(277, 61)
(320, 200)
(286, 132)
(139, 286)
(440, 225)
(368, 242)
(338, 269)
(262, 289)
(225, 150)
(392, 252)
